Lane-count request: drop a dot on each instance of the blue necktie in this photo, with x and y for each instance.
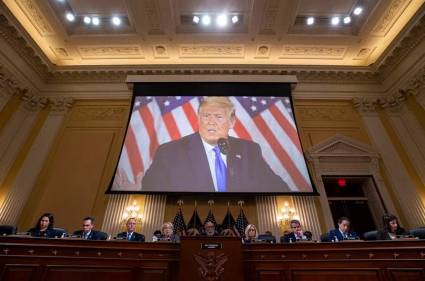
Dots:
(220, 170)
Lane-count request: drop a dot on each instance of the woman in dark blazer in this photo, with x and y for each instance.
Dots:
(44, 227)
(391, 228)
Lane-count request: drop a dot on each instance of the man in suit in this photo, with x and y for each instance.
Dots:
(88, 233)
(343, 231)
(131, 234)
(209, 229)
(297, 233)
(197, 163)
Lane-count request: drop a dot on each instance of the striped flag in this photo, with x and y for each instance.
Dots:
(267, 121)
(241, 222)
(178, 223)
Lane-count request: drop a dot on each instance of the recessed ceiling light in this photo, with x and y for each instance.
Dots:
(70, 16)
(116, 21)
(221, 20)
(310, 20)
(357, 11)
(95, 21)
(87, 20)
(206, 20)
(347, 20)
(235, 19)
(196, 19)
(335, 20)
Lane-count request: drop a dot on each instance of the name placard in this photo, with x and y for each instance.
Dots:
(209, 246)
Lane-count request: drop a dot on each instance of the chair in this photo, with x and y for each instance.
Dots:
(267, 238)
(103, 235)
(7, 229)
(59, 232)
(324, 237)
(370, 235)
(418, 232)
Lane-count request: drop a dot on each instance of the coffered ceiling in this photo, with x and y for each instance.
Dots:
(158, 32)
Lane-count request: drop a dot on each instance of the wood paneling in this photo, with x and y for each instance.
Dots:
(18, 272)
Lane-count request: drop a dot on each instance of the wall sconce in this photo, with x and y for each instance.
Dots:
(287, 214)
(132, 211)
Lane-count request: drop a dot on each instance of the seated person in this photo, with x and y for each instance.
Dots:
(209, 229)
(250, 234)
(167, 233)
(228, 233)
(193, 232)
(297, 234)
(343, 231)
(131, 234)
(156, 235)
(267, 237)
(87, 233)
(391, 228)
(44, 227)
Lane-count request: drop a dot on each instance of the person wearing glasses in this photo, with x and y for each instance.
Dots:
(88, 232)
(296, 234)
(131, 234)
(210, 160)
(250, 234)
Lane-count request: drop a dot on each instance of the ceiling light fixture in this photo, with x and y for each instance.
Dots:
(87, 20)
(335, 20)
(116, 21)
(347, 20)
(206, 20)
(235, 19)
(95, 21)
(70, 16)
(310, 21)
(357, 11)
(196, 19)
(221, 20)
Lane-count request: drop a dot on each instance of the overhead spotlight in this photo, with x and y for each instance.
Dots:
(116, 21)
(95, 21)
(221, 20)
(87, 20)
(357, 11)
(335, 20)
(70, 16)
(235, 19)
(196, 19)
(310, 21)
(206, 20)
(347, 20)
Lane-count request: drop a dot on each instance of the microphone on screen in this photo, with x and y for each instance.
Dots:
(223, 145)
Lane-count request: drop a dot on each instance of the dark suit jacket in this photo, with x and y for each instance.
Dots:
(94, 234)
(137, 237)
(337, 233)
(383, 235)
(182, 165)
(49, 233)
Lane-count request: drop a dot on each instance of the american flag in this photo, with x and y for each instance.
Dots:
(210, 217)
(178, 223)
(267, 121)
(241, 222)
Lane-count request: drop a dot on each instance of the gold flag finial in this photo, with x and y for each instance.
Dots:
(241, 203)
(211, 202)
(180, 203)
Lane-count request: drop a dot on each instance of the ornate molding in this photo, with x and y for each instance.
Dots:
(405, 47)
(9, 85)
(123, 51)
(390, 16)
(291, 51)
(211, 266)
(268, 21)
(323, 114)
(15, 40)
(211, 50)
(416, 85)
(99, 114)
(36, 17)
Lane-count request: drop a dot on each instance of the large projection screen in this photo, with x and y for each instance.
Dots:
(171, 140)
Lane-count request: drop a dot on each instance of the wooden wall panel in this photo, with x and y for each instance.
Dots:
(407, 274)
(55, 273)
(18, 272)
(335, 275)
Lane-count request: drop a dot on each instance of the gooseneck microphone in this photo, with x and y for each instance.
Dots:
(223, 145)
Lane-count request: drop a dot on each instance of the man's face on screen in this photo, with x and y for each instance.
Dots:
(214, 122)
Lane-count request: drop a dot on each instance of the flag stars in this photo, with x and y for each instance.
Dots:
(253, 108)
(167, 103)
(178, 98)
(137, 104)
(254, 99)
(264, 102)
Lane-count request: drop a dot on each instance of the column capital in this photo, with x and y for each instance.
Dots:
(366, 106)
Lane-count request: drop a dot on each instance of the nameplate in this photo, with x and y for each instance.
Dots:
(209, 246)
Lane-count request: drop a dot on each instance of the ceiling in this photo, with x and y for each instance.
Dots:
(161, 32)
